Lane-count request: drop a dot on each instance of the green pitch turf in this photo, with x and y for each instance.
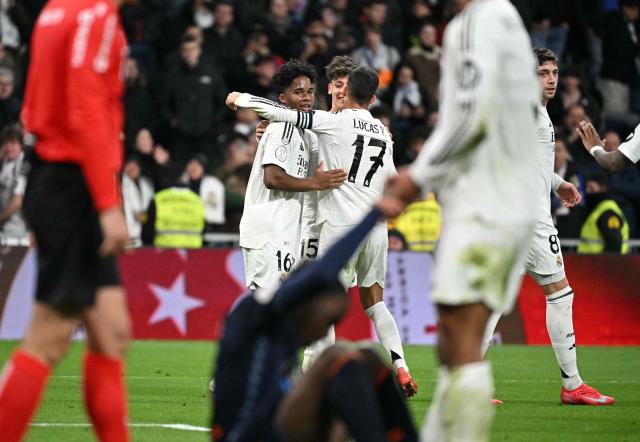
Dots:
(168, 385)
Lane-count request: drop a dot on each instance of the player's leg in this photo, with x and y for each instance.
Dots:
(465, 379)
(371, 269)
(559, 319)
(26, 372)
(328, 235)
(108, 331)
(478, 271)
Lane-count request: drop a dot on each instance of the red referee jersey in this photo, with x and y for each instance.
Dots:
(73, 95)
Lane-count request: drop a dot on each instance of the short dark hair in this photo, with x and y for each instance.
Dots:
(363, 83)
(291, 70)
(340, 66)
(11, 133)
(545, 55)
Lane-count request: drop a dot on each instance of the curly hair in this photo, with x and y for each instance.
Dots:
(290, 71)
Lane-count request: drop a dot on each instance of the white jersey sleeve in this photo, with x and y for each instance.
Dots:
(631, 147)
(318, 121)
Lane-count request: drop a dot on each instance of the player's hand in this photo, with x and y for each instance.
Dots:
(231, 100)
(261, 128)
(330, 179)
(569, 194)
(390, 206)
(115, 236)
(589, 135)
(402, 186)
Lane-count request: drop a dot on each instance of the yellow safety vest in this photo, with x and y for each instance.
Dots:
(420, 224)
(179, 218)
(591, 240)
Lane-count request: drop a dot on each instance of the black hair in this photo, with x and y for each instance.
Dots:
(544, 55)
(11, 133)
(363, 83)
(290, 71)
(340, 66)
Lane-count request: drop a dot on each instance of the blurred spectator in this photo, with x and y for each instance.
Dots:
(337, 31)
(138, 103)
(153, 159)
(621, 61)
(235, 184)
(568, 220)
(240, 151)
(246, 122)
(210, 189)
(192, 103)
(137, 193)
(226, 42)
(378, 56)
(10, 12)
(625, 186)
(550, 25)
(13, 182)
(264, 69)
(574, 115)
(417, 137)
(572, 92)
(405, 100)
(606, 228)
(424, 58)
(175, 217)
(316, 50)
(9, 102)
(279, 27)
(417, 14)
(376, 13)
(397, 241)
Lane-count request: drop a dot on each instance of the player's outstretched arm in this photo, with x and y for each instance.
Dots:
(570, 195)
(613, 161)
(316, 121)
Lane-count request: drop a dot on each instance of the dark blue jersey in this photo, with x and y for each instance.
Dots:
(259, 346)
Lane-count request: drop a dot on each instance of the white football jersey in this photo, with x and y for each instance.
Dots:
(270, 215)
(479, 157)
(547, 178)
(631, 147)
(351, 140)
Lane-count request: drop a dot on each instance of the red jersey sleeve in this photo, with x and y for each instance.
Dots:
(94, 101)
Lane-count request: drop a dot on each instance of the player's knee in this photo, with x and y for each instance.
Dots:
(122, 337)
(371, 359)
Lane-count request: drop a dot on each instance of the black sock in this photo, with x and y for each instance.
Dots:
(398, 422)
(353, 399)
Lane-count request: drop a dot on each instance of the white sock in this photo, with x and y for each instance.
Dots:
(433, 429)
(489, 330)
(388, 333)
(560, 329)
(314, 350)
(462, 409)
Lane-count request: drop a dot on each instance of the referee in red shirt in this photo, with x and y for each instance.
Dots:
(72, 204)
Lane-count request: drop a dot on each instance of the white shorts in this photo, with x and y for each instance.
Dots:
(479, 261)
(368, 265)
(544, 261)
(268, 265)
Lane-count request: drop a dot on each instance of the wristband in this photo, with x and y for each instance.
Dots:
(595, 149)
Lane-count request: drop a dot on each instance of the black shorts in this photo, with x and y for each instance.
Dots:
(64, 221)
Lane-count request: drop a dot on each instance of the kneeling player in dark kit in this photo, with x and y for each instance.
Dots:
(345, 394)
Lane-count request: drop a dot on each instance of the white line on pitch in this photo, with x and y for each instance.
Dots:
(183, 427)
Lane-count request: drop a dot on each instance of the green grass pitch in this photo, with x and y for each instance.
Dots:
(168, 385)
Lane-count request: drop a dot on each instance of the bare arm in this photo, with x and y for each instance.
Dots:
(276, 178)
(613, 161)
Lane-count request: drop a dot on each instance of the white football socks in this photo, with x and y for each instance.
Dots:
(388, 333)
(314, 350)
(461, 409)
(563, 341)
(489, 330)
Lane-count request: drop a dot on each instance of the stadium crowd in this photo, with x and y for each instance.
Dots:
(186, 55)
